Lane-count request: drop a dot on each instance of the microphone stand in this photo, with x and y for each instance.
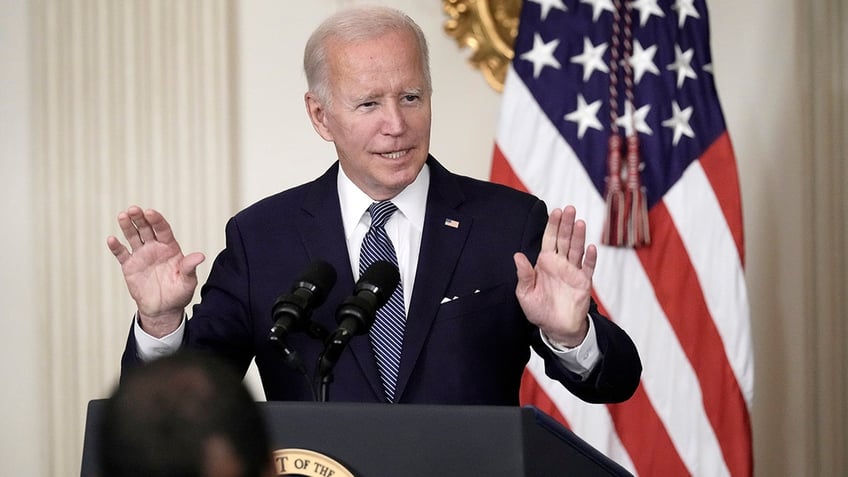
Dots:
(324, 387)
(333, 347)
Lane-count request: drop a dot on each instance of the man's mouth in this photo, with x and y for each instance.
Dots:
(394, 154)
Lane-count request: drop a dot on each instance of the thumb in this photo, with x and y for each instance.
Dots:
(525, 273)
(189, 263)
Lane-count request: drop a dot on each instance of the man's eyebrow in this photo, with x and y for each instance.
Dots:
(363, 98)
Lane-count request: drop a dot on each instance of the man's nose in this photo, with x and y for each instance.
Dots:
(394, 121)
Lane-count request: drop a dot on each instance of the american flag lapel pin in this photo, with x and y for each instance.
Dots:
(452, 223)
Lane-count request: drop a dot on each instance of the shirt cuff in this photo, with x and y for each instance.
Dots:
(149, 347)
(582, 358)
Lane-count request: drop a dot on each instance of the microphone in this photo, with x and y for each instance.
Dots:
(291, 311)
(356, 314)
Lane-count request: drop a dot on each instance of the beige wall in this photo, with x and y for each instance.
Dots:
(782, 97)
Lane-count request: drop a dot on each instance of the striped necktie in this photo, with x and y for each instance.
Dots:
(387, 331)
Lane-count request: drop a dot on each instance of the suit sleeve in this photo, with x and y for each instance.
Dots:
(221, 323)
(615, 376)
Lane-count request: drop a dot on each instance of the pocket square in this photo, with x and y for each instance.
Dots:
(449, 299)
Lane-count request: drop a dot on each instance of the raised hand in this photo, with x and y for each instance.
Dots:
(555, 294)
(159, 277)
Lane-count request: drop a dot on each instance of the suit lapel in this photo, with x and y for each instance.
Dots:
(443, 238)
(321, 226)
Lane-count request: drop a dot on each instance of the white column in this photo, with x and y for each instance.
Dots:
(133, 104)
(23, 398)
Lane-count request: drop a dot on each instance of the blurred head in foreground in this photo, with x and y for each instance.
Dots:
(184, 415)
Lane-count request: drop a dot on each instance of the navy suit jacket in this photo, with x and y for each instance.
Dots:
(470, 350)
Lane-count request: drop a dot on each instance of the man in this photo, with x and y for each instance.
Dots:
(184, 415)
(472, 301)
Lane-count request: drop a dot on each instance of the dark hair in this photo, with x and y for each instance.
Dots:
(163, 417)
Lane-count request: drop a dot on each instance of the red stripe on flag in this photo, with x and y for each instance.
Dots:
(502, 172)
(532, 394)
(677, 288)
(719, 166)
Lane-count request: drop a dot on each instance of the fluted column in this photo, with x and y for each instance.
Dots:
(132, 104)
(827, 144)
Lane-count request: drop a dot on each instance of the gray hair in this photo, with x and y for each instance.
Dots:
(351, 25)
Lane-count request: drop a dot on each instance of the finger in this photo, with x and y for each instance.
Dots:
(566, 228)
(549, 238)
(524, 272)
(160, 227)
(145, 231)
(118, 250)
(591, 260)
(578, 243)
(189, 263)
(129, 230)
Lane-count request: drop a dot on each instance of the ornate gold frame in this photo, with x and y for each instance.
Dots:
(489, 28)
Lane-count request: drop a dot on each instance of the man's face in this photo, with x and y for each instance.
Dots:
(379, 113)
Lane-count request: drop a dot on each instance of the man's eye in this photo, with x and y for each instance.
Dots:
(411, 98)
(368, 104)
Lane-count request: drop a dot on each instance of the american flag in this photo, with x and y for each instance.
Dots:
(680, 293)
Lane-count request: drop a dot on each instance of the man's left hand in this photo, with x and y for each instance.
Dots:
(555, 294)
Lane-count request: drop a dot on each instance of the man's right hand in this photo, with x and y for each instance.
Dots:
(159, 277)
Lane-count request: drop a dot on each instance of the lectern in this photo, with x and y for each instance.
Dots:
(381, 440)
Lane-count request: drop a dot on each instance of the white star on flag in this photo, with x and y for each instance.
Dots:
(586, 116)
(679, 121)
(642, 60)
(598, 7)
(685, 8)
(646, 9)
(629, 120)
(547, 5)
(592, 58)
(542, 55)
(682, 64)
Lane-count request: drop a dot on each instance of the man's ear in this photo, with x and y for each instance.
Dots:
(318, 115)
